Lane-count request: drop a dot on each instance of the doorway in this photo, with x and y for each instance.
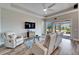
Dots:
(66, 29)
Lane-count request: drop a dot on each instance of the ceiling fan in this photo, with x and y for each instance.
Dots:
(47, 8)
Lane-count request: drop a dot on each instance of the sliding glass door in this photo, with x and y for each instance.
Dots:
(49, 27)
(53, 27)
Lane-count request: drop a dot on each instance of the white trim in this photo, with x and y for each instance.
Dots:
(63, 13)
(9, 6)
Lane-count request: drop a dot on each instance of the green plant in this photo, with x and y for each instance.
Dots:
(49, 26)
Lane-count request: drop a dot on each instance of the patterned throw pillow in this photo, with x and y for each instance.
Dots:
(10, 36)
(14, 36)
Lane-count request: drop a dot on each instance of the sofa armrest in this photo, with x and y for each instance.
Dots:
(10, 42)
(41, 49)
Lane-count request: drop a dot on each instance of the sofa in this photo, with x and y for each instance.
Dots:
(12, 40)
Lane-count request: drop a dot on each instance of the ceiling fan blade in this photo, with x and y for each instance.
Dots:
(51, 5)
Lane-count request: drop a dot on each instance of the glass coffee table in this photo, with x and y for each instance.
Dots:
(30, 41)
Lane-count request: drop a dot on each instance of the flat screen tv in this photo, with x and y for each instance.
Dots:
(29, 25)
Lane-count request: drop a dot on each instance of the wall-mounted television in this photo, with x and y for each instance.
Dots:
(29, 25)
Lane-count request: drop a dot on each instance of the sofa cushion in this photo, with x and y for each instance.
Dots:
(18, 40)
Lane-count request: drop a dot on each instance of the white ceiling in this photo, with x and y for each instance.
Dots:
(37, 8)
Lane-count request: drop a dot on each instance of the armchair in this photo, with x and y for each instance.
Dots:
(51, 42)
(59, 36)
(47, 47)
(12, 40)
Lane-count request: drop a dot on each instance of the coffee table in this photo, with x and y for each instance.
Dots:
(30, 41)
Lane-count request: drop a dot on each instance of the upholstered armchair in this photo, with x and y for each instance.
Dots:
(59, 36)
(52, 41)
(45, 48)
(12, 40)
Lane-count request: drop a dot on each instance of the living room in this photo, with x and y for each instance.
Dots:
(13, 17)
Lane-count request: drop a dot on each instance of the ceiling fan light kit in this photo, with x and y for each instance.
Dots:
(44, 9)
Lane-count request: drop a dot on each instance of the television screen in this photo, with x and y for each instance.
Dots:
(29, 25)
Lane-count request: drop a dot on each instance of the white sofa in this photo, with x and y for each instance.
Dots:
(51, 42)
(12, 40)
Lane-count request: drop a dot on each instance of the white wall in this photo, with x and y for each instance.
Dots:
(78, 20)
(0, 20)
(0, 28)
(14, 21)
(75, 25)
(0, 25)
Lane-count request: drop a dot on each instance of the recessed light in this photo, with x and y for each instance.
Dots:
(44, 9)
